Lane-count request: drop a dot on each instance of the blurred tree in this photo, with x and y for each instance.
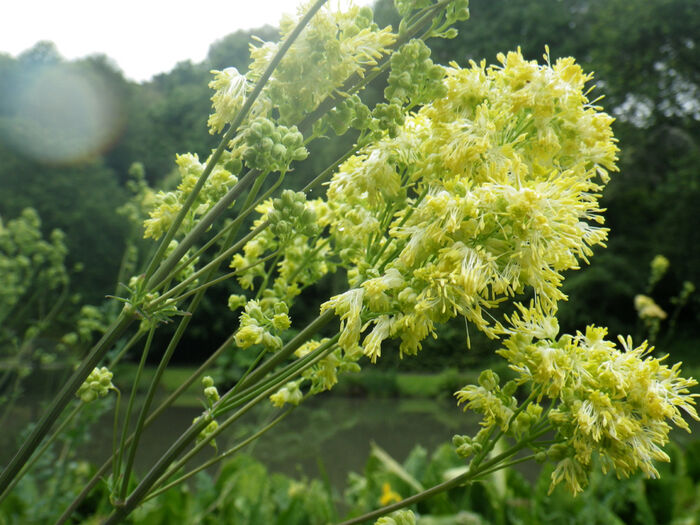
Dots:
(232, 50)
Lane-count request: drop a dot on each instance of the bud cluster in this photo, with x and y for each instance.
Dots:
(260, 327)
(97, 385)
(288, 394)
(466, 446)
(210, 391)
(269, 147)
(387, 117)
(290, 215)
(414, 78)
(350, 113)
(206, 433)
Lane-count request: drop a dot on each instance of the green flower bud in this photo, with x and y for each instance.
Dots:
(97, 384)
(466, 450)
(212, 394)
(234, 166)
(236, 301)
(458, 440)
(279, 151)
(489, 380)
(281, 308)
(509, 388)
(300, 154)
(271, 342)
(281, 322)
(558, 452)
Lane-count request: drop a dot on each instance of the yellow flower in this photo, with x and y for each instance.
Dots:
(249, 335)
(388, 495)
(486, 192)
(613, 402)
(348, 306)
(647, 308)
(230, 88)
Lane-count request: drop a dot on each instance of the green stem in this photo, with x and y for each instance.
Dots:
(233, 224)
(213, 265)
(218, 458)
(179, 332)
(115, 432)
(268, 273)
(490, 466)
(127, 419)
(128, 346)
(27, 467)
(222, 278)
(235, 398)
(252, 366)
(210, 268)
(263, 391)
(63, 398)
(507, 465)
(165, 360)
(175, 449)
(154, 276)
(173, 452)
(154, 415)
(315, 182)
(330, 169)
(9, 405)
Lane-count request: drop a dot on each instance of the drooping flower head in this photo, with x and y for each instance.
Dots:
(485, 192)
(229, 98)
(616, 402)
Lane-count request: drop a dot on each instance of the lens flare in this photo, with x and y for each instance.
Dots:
(63, 115)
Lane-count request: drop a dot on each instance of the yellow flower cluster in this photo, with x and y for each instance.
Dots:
(288, 394)
(613, 402)
(230, 94)
(647, 308)
(485, 192)
(400, 517)
(262, 325)
(658, 268)
(166, 205)
(335, 45)
(304, 256)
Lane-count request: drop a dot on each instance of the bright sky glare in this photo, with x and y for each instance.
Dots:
(144, 37)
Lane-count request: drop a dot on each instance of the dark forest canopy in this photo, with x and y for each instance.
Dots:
(66, 150)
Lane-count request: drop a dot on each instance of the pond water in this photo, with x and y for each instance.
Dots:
(324, 436)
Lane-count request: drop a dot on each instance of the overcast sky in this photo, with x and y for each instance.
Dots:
(144, 37)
